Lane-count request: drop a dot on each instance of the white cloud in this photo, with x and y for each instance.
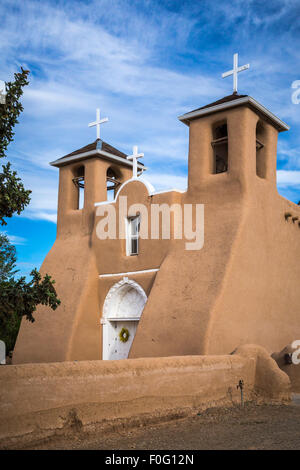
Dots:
(44, 187)
(162, 181)
(288, 178)
(15, 239)
(39, 215)
(290, 155)
(143, 65)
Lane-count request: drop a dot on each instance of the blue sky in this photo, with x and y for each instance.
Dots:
(143, 63)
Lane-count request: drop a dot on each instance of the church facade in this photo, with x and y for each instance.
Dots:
(134, 296)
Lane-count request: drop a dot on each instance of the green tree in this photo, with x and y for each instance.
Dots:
(18, 297)
(13, 196)
(8, 258)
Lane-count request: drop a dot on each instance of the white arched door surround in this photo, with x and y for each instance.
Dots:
(122, 308)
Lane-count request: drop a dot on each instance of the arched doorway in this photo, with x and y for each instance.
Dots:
(122, 310)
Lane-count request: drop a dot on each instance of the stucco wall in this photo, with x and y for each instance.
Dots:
(55, 334)
(241, 287)
(260, 298)
(37, 400)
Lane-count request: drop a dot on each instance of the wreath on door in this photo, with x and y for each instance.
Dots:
(124, 335)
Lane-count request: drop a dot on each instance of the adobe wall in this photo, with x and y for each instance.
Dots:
(111, 253)
(260, 298)
(243, 285)
(73, 330)
(176, 317)
(39, 400)
(54, 334)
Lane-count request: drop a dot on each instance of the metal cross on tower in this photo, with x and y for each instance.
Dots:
(236, 69)
(98, 122)
(134, 159)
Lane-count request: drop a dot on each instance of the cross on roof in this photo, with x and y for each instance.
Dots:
(134, 159)
(235, 71)
(98, 122)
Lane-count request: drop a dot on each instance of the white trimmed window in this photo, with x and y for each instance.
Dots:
(133, 233)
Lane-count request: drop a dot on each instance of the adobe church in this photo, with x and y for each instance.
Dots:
(136, 297)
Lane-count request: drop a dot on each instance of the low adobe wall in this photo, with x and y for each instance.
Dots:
(40, 400)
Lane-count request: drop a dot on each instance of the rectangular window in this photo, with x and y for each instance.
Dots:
(261, 169)
(220, 149)
(133, 233)
(79, 183)
(80, 197)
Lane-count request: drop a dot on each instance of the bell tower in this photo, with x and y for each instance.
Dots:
(234, 138)
(88, 175)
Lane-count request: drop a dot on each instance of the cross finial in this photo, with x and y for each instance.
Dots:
(235, 71)
(134, 159)
(98, 122)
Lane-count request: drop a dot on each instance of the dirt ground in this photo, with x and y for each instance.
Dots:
(251, 427)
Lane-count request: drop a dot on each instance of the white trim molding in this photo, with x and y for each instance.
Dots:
(146, 183)
(129, 273)
(115, 288)
(150, 188)
(95, 153)
(186, 118)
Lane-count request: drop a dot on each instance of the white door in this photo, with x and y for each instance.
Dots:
(123, 307)
(119, 349)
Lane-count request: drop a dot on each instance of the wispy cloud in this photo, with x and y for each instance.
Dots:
(14, 239)
(288, 178)
(143, 63)
(289, 155)
(162, 181)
